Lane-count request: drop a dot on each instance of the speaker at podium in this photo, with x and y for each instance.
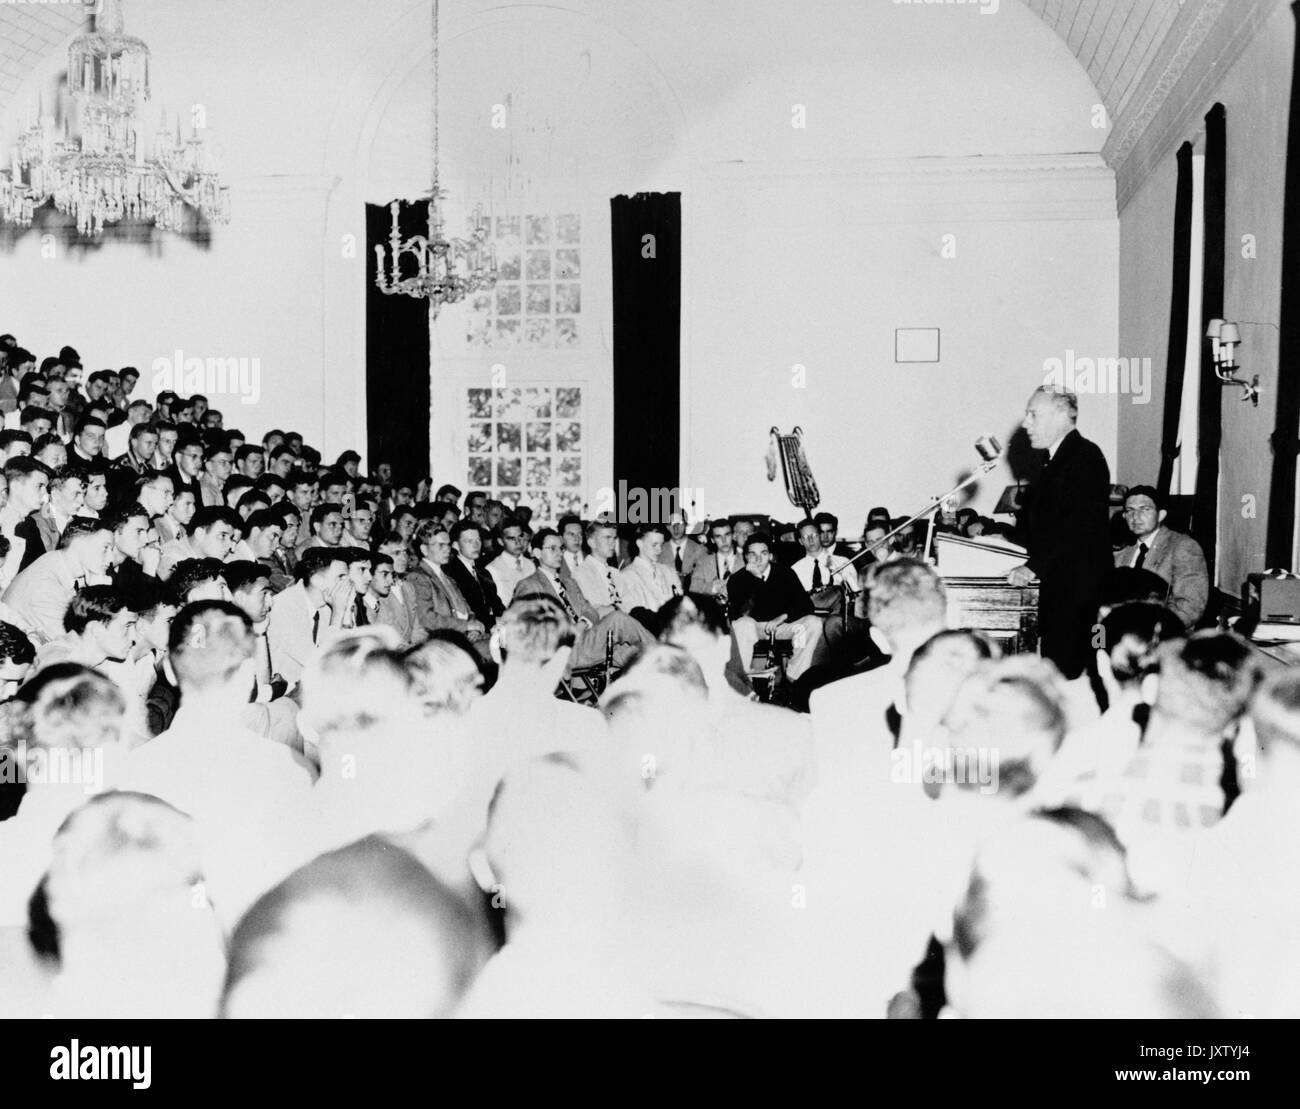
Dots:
(974, 573)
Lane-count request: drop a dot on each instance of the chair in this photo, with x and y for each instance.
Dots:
(584, 685)
(767, 668)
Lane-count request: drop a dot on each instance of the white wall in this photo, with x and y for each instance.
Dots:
(803, 245)
(1254, 92)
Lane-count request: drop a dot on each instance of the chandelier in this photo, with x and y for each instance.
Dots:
(103, 176)
(445, 269)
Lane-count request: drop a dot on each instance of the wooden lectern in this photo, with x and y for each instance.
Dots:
(974, 574)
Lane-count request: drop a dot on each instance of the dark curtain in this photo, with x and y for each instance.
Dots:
(646, 237)
(397, 355)
(1177, 360)
(1281, 496)
(1205, 508)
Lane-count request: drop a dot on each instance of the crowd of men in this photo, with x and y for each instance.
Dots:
(256, 711)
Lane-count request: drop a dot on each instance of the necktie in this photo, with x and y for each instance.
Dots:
(817, 574)
(677, 558)
(564, 597)
(1142, 556)
(315, 625)
(613, 589)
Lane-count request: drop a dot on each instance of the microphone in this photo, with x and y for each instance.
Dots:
(990, 450)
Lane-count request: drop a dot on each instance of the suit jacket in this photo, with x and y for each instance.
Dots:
(289, 632)
(593, 578)
(1178, 559)
(434, 605)
(210, 491)
(1065, 521)
(642, 584)
(394, 611)
(478, 589)
(705, 573)
(40, 594)
(764, 600)
(540, 582)
(692, 552)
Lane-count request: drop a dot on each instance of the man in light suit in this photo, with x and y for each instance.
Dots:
(680, 552)
(40, 594)
(553, 580)
(712, 572)
(597, 579)
(645, 584)
(1175, 557)
(386, 606)
(437, 600)
(307, 615)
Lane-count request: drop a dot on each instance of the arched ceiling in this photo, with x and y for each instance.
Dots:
(1137, 52)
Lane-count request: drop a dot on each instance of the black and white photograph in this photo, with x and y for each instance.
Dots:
(649, 510)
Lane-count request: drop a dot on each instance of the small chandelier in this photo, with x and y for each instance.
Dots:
(446, 269)
(102, 176)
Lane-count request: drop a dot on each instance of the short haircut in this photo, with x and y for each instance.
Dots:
(939, 666)
(210, 515)
(905, 594)
(435, 508)
(281, 449)
(758, 539)
(123, 516)
(236, 482)
(807, 522)
(209, 641)
(88, 421)
(190, 573)
(66, 474)
(533, 629)
(460, 527)
(286, 511)
(13, 435)
(378, 559)
(247, 451)
(314, 560)
(243, 573)
(565, 521)
(1064, 400)
(298, 479)
(543, 534)
(1207, 679)
(371, 893)
(594, 528)
(95, 604)
(252, 498)
(22, 466)
(1132, 632)
(141, 430)
(827, 518)
(330, 478)
(264, 518)
(692, 610)
(1150, 491)
(319, 513)
(353, 555)
(647, 529)
(1013, 709)
(218, 444)
(78, 528)
(15, 647)
(33, 412)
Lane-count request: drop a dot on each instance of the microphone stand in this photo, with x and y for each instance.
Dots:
(984, 468)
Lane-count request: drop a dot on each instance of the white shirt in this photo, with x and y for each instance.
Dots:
(508, 571)
(830, 562)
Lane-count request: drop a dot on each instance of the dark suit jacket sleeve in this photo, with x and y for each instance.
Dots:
(35, 545)
(1069, 514)
(741, 588)
(794, 601)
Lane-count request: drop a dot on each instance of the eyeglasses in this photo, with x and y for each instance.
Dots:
(1141, 511)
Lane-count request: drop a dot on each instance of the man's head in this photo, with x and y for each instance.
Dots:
(217, 462)
(1049, 415)
(264, 530)
(99, 614)
(741, 530)
(211, 648)
(67, 491)
(89, 436)
(381, 574)
(154, 622)
(37, 422)
(49, 449)
(29, 485)
(399, 553)
(435, 546)
(250, 460)
(548, 548)
(570, 531)
(1205, 683)
(512, 538)
(1144, 511)
(602, 539)
(650, 540)
(327, 523)
(189, 459)
(184, 507)
(97, 384)
(758, 554)
(333, 486)
(467, 539)
(198, 579)
(17, 653)
(494, 514)
(532, 632)
(721, 534)
(416, 946)
(359, 572)
(213, 530)
(302, 492)
(13, 443)
(90, 545)
(142, 443)
(58, 395)
(291, 521)
(250, 588)
(130, 531)
(167, 436)
(320, 569)
(1130, 636)
(935, 673)
(96, 497)
(361, 522)
(677, 525)
(906, 603)
(828, 527)
(810, 538)
(448, 493)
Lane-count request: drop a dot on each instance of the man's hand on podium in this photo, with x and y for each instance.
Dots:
(1021, 575)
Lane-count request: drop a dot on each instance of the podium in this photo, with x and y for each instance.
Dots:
(979, 596)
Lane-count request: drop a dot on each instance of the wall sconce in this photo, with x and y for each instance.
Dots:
(1224, 338)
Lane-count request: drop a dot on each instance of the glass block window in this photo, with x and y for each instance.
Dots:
(537, 301)
(525, 446)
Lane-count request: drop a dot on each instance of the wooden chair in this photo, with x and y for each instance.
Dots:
(584, 685)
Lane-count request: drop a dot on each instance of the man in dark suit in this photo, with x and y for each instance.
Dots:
(464, 569)
(1064, 524)
(767, 598)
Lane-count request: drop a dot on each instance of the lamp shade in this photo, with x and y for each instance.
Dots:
(1229, 333)
(1212, 330)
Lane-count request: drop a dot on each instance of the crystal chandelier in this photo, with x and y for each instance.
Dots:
(446, 269)
(102, 176)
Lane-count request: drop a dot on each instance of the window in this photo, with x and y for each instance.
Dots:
(537, 301)
(525, 446)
